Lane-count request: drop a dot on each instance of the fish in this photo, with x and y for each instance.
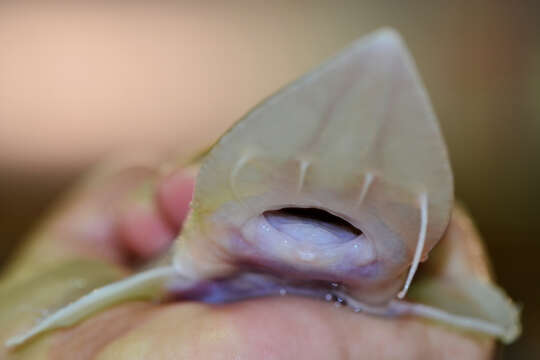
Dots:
(336, 187)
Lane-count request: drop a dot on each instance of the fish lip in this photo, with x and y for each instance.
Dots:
(255, 228)
(264, 250)
(319, 206)
(338, 230)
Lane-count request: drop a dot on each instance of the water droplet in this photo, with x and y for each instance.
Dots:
(334, 284)
(355, 246)
(282, 292)
(337, 304)
(328, 297)
(357, 310)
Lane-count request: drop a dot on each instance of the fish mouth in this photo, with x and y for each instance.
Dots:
(315, 225)
(308, 242)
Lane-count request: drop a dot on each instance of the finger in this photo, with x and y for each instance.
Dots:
(143, 232)
(174, 195)
(284, 327)
(151, 218)
(103, 218)
(82, 225)
(275, 328)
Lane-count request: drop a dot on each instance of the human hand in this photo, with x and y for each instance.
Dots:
(129, 218)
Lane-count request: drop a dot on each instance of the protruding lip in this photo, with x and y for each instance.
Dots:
(312, 224)
(278, 237)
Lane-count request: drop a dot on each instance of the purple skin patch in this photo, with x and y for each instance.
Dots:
(253, 285)
(367, 271)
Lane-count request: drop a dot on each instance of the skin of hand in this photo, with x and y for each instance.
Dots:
(127, 218)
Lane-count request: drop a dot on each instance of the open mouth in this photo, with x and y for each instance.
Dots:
(312, 225)
(309, 243)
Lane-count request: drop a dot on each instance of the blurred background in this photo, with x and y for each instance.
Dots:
(79, 81)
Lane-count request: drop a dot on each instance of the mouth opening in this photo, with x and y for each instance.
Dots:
(312, 225)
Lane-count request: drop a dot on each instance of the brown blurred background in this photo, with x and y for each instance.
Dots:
(79, 81)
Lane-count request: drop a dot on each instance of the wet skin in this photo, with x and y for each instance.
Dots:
(112, 219)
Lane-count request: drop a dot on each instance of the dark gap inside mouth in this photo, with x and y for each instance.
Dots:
(307, 223)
